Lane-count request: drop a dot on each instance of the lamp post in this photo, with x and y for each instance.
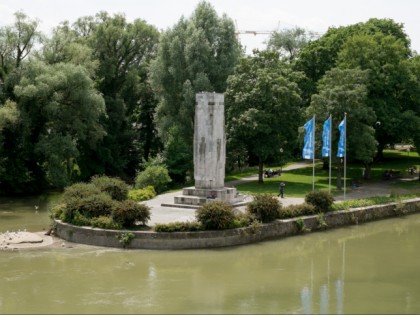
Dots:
(281, 158)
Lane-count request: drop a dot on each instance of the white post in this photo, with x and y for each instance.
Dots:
(313, 158)
(329, 177)
(345, 152)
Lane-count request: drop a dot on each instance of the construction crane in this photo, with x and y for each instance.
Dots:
(239, 32)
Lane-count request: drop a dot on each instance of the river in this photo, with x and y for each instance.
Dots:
(366, 269)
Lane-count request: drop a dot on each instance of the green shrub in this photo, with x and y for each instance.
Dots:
(216, 215)
(79, 219)
(178, 227)
(128, 212)
(57, 211)
(264, 207)
(105, 222)
(154, 175)
(92, 206)
(115, 187)
(321, 200)
(243, 219)
(80, 191)
(142, 194)
(293, 211)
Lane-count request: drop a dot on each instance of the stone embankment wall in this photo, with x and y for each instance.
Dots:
(233, 237)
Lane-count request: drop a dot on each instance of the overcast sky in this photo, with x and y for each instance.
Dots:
(250, 15)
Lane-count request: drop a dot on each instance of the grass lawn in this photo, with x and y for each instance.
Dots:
(299, 182)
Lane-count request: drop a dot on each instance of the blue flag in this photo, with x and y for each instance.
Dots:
(309, 141)
(341, 143)
(326, 136)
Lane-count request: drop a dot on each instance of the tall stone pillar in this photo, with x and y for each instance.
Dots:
(209, 141)
(209, 155)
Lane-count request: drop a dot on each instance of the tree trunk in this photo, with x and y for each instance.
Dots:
(368, 170)
(380, 153)
(260, 171)
(325, 164)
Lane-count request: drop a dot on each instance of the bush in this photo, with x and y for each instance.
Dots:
(57, 211)
(216, 215)
(142, 194)
(264, 207)
(179, 227)
(92, 206)
(128, 212)
(154, 175)
(105, 222)
(79, 219)
(115, 187)
(293, 211)
(321, 200)
(243, 220)
(80, 191)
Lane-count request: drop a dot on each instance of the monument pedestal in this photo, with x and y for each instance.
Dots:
(209, 156)
(198, 196)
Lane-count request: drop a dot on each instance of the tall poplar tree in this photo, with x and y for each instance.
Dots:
(197, 54)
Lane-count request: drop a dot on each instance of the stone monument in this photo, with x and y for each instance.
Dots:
(209, 154)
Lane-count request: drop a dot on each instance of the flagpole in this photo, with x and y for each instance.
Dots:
(313, 158)
(329, 178)
(345, 152)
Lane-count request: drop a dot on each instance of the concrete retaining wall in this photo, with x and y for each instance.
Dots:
(233, 237)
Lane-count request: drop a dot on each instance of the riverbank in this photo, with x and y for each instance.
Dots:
(232, 237)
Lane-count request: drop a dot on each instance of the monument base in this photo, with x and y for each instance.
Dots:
(194, 197)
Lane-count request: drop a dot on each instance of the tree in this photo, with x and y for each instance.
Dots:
(197, 54)
(16, 42)
(117, 54)
(60, 111)
(344, 91)
(384, 57)
(321, 55)
(263, 105)
(289, 42)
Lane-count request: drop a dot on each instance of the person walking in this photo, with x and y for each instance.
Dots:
(281, 189)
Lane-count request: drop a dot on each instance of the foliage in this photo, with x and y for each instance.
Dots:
(263, 102)
(105, 222)
(128, 212)
(289, 42)
(244, 219)
(321, 200)
(86, 199)
(79, 190)
(92, 206)
(216, 215)
(122, 79)
(17, 41)
(264, 207)
(125, 238)
(300, 223)
(299, 210)
(178, 227)
(57, 211)
(59, 116)
(197, 54)
(322, 224)
(344, 91)
(9, 113)
(146, 193)
(154, 175)
(115, 187)
(79, 219)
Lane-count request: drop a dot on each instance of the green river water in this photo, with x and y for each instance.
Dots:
(371, 268)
